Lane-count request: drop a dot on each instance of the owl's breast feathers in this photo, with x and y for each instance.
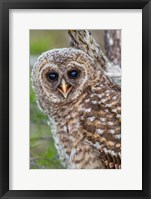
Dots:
(100, 117)
(90, 132)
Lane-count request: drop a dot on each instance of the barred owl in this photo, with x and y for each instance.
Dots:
(83, 106)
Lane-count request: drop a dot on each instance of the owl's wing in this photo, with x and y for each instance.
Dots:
(102, 124)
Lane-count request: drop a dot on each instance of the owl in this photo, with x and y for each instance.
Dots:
(83, 106)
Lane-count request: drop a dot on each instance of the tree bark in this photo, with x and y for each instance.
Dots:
(83, 40)
(112, 40)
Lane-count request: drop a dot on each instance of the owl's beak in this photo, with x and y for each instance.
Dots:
(64, 88)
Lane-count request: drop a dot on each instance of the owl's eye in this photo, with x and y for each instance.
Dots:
(73, 74)
(52, 76)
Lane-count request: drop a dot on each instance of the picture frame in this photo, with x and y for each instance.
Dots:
(5, 6)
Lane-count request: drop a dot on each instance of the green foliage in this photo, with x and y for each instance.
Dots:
(41, 41)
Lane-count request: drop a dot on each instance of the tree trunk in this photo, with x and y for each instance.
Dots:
(113, 46)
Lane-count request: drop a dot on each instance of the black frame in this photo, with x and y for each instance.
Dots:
(5, 5)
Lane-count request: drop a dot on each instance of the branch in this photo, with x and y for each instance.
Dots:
(83, 40)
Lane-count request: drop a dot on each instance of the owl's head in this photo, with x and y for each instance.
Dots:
(62, 75)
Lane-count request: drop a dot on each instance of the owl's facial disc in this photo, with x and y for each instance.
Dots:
(63, 84)
(64, 88)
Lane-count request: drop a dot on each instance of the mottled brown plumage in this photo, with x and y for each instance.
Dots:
(84, 112)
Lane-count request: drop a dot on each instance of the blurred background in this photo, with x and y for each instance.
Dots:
(43, 154)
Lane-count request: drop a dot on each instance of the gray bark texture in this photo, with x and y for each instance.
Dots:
(112, 40)
(84, 40)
